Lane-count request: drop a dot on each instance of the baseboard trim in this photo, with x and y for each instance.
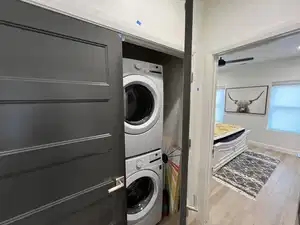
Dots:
(274, 148)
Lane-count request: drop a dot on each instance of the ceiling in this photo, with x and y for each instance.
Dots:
(284, 47)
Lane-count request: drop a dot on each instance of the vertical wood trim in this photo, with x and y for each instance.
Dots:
(187, 66)
(205, 135)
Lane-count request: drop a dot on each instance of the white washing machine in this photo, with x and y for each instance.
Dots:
(144, 184)
(143, 90)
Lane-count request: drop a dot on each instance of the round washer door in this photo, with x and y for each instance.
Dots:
(142, 103)
(142, 191)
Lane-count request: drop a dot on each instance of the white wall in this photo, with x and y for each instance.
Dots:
(162, 20)
(262, 74)
(228, 22)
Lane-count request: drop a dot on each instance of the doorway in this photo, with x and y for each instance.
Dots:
(253, 89)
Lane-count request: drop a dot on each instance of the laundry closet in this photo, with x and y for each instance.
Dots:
(157, 79)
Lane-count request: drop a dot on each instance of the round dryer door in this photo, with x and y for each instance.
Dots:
(142, 192)
(142, 104)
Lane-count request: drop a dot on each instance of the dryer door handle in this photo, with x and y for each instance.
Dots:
(119, 184)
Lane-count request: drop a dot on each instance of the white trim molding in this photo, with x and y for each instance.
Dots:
(274, 148)
(274, 33)
(288, 82)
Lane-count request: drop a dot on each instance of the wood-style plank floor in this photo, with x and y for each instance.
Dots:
(276, 203)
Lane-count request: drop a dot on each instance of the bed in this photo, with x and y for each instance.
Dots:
(229, 141)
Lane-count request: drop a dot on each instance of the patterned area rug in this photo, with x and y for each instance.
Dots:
(248, 172)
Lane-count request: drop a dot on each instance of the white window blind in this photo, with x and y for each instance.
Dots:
(284, 110)
(220, 101)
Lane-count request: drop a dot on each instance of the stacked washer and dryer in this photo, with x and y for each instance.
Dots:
(143, 96)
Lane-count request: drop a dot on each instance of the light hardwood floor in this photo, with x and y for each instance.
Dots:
(276, 203)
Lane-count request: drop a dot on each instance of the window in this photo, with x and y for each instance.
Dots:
(284, 110)
(220, 99)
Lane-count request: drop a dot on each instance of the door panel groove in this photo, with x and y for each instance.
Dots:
(45, 32)
(56, 203)
(27, 125)
(54, 81)
(33, 91)
(23, 172)
(54, 144)
(26, 160)
(17, 102)
(50, 183)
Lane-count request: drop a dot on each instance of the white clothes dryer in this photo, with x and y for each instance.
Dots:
(144, 184)
(143, 102)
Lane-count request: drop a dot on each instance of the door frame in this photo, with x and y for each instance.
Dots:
(207, 95)
(186, 104)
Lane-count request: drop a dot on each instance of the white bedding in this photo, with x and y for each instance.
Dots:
(224, 130)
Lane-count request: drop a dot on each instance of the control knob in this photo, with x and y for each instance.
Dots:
(139, 164)
(138, 66)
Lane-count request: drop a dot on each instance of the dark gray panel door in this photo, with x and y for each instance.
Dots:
(61, 119)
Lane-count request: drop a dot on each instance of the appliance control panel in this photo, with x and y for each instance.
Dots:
(155, 157)
(148, 68)
(144, 161)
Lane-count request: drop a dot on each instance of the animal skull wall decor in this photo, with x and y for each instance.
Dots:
(243, 105)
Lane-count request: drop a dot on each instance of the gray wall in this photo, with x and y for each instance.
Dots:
(173, 83)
